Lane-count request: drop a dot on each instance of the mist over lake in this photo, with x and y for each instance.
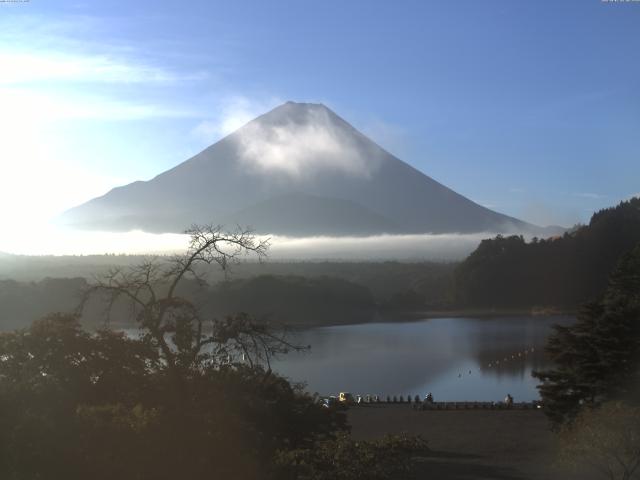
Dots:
(407, 247)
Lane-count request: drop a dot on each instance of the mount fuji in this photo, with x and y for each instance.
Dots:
(298, 170)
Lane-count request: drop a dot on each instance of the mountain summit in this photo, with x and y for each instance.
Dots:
(297, 170)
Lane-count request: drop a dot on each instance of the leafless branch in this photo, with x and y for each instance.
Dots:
(172, 324)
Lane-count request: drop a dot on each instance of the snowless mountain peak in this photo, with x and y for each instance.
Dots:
(297, 170)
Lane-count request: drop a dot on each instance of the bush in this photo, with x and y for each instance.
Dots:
(347, 459)
(75, 405)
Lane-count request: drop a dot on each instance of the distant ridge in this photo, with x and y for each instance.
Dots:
(297, 170)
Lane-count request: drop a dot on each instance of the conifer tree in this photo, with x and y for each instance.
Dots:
(597, 358)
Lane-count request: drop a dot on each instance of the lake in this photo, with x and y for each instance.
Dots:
(457, 359)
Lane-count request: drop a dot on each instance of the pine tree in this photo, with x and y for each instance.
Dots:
(597, 358)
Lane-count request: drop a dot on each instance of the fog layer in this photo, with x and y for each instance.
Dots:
(59, 241)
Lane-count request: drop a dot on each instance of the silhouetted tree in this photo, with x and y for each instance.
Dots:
(597, 358)
(172, 324)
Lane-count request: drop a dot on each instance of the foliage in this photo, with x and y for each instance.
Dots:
(177, 402)
(172, 324)
(508, 272)
(606, 438)
(406, 300)
(334, 290)
(191, 397)
(23, 302)
(343, 458)
(597, 358)
(75, 405)
(295, 299)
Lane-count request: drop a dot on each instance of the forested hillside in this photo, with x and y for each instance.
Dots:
(294, 293)
(562, 271)
(295, 300)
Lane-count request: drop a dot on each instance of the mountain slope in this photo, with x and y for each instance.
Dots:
(298, 214)
(296, 149)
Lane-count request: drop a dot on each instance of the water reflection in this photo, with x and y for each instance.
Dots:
(455, 358)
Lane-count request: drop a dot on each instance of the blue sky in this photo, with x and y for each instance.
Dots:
(531, 108)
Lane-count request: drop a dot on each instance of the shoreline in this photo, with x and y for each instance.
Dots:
(400, 316)
(487, 313)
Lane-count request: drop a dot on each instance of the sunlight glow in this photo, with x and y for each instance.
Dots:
(59, 241)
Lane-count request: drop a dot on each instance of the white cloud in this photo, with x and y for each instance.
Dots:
(444, 247)
(295, 149)
(595, 196)
(62, 241)
(302, 149)
(73, 49)
(33, 106)
(232, 113)
(30, 67)
(50, 69)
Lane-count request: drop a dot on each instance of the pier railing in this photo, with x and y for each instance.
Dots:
(467, 405)
(475, 406)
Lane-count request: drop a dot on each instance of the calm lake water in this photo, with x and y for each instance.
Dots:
(456, 359)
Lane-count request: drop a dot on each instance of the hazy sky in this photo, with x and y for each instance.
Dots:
(531, 108)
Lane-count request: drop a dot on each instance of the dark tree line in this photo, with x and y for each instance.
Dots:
(290, 299)
(566, 271)
(295, 300)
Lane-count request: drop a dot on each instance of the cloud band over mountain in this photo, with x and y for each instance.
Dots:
(301, 149)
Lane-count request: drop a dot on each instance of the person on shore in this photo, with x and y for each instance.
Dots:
(508, 400)
(429, 398)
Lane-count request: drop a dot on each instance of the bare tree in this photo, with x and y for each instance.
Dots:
(173, 324)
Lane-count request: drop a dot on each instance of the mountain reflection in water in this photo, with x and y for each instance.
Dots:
(457, 359)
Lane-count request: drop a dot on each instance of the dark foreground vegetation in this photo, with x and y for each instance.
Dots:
(75, 405)
(192, 397)
(592, 395)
